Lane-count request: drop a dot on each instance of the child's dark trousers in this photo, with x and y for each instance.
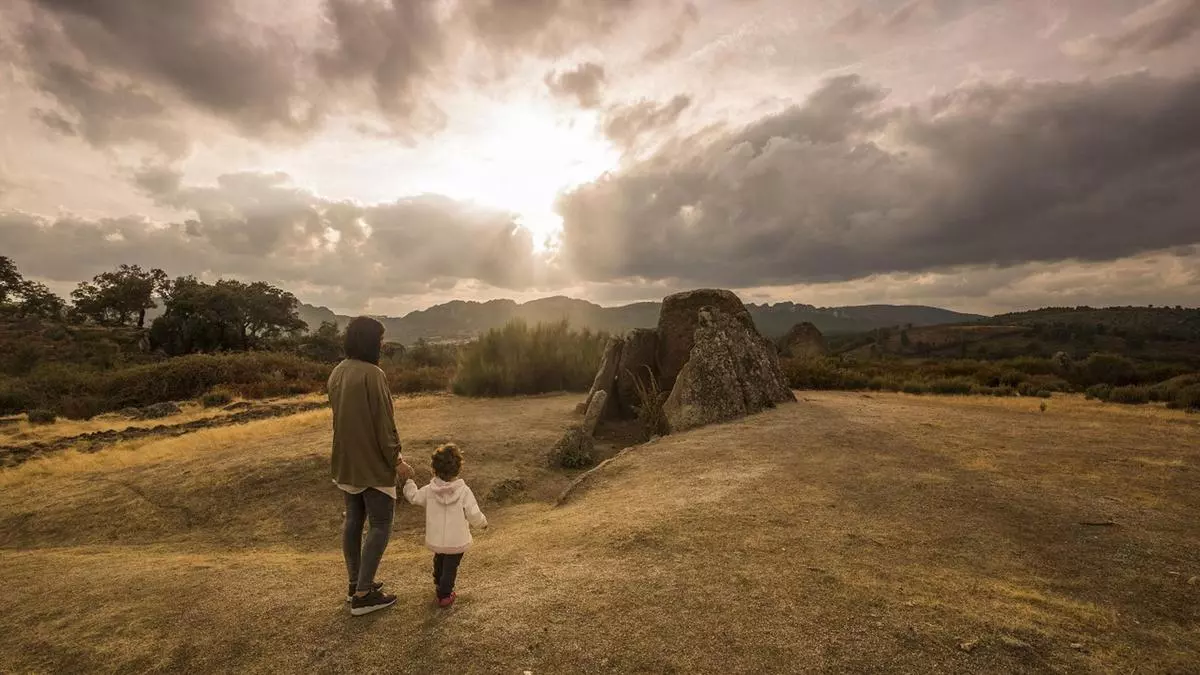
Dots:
(445, 570)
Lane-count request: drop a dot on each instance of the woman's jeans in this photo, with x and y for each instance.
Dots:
(363, 556)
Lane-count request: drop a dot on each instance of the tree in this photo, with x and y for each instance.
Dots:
(37, 300)
(227, 315)
(29, 298)
(10, 279)
(117, 297)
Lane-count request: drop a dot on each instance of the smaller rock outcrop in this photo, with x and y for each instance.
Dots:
(596, 406)
(606, 379)
(803, 341)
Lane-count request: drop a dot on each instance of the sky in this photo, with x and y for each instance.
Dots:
(379, 156)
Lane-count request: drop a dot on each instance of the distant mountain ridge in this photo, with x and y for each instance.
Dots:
(462, 320)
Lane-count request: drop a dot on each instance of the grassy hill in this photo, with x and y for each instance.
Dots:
(844, 533)
(1145, 333)
(462, 320)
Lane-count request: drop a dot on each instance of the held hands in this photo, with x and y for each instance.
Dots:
(404, 472)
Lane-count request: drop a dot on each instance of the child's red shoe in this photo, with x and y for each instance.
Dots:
(448, 600)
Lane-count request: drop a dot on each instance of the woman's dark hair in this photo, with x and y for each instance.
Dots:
(447, 462)
(363, 338)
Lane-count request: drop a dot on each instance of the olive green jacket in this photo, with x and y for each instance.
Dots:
(366, 447)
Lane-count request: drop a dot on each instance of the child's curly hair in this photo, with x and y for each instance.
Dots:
(447, 461)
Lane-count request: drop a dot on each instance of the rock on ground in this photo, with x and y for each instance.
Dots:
(595, 409)
(732, 372)
(803, 341)
(606, 378)
(677, 325)
(639, 353)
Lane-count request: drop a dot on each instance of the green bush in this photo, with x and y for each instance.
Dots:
(822, 373)
(1098, 391)
(216, 397)
(1186, 398)
(81, 407)
(14, 398)
(950, 386)
(1130, 395)
(41, 416)
(406, 380)
(914, 387)
(1111, 369)
(519, 359)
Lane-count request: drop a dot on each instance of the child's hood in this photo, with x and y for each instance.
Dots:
(447, 493)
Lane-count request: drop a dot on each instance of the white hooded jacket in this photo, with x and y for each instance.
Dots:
(448, 509)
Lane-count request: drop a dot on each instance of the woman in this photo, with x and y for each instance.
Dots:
(365, 460)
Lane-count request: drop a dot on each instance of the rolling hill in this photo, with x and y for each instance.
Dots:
(461, 320)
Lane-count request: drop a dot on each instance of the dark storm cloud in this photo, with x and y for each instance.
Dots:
(1161, 25)
(844, 186)
(395, 47)
(259, 226)
(583, 83)
(626, 125)
(201, 50)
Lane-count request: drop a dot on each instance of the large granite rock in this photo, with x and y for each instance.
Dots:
(803, 341)
(678, 322)
(639, 363)
(731, 372)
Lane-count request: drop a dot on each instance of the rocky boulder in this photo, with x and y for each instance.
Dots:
(730, 372)
(803, 341)
(595, 410)
(639, 363)
(606, 379)
(678, 322)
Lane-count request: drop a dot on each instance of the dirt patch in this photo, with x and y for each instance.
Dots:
(14, 455)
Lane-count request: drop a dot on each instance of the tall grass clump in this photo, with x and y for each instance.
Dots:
(521, 359)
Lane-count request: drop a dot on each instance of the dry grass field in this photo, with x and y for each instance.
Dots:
(844, 533)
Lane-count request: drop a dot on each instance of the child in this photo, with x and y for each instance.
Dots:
(449, 506)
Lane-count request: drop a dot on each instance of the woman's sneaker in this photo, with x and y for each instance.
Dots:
(354, 589)
(448, 600)
(370, 602)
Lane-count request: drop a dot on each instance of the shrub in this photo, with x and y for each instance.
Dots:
(216, 397)
(574, 450)
(822, 373)
(1098, 391)
(914, 387)
(518, 359)
(1012, 378)
(950, 386)
(1187, 398)
(82, 407)
(405, 380)
(1108, 369)
(14, 398)
(1130, 395)
(41, 416)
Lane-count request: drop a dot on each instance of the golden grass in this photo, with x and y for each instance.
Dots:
(24, 432)
(847, 533)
